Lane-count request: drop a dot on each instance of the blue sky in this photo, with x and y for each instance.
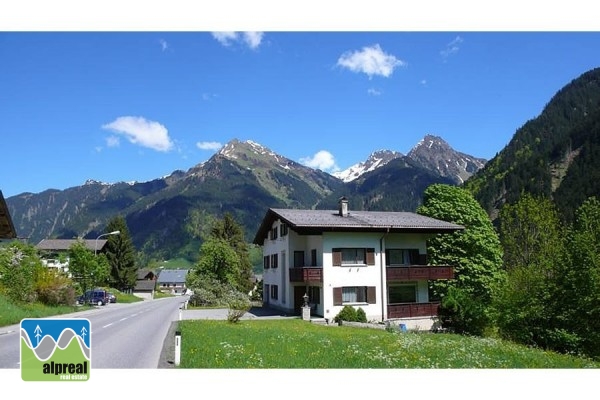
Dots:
(135, 106)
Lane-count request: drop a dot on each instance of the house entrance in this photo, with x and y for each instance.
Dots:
(299, 292)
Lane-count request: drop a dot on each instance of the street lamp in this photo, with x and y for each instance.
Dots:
(104, 234)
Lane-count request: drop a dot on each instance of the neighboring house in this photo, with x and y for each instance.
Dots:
(7, 229)
(172, 281)
(145, 284)
(368, 259)
(55, 252)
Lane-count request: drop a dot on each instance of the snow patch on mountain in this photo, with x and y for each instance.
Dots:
(376, 159)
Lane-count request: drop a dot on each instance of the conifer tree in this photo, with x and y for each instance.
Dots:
(120, 253)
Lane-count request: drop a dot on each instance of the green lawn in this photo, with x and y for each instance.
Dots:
(294, 343)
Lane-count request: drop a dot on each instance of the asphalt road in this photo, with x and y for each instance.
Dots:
(123, 335)
(136, 335)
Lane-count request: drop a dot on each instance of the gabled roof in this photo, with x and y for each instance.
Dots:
(147, 285)
(145, 274)
(311, 222)
(7, 229)
(65, 244)
(172, 276)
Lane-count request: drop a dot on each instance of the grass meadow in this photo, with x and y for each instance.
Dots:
(294, 343)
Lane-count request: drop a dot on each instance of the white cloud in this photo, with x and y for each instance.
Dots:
(322, 160)
(113, 141)
(163, 44)
(374, 92)
(208, 96)
(225, 38)
(140, 131)
(251, 39)
(452, 48)
(371, 61)
(209, 145)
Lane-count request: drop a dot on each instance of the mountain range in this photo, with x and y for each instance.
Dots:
(243, 178)
(555, 155)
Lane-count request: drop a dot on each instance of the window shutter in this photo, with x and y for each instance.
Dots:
(371, 294)
(337, 296)
(371, 256)
(387, 256)
(337, 258)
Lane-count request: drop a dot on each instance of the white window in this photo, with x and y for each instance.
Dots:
(354, 294)
(353, 256)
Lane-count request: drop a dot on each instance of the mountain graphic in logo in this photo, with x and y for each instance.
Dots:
(55, 349)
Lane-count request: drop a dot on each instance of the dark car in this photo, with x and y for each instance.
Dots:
(112, 298)
(97, 297)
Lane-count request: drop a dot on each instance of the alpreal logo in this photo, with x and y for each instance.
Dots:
(55, 349)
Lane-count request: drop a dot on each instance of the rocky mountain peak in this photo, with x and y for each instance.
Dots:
(375, 160)
(434, 153)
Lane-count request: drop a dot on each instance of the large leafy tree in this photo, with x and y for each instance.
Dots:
(86, 268)
(218, 261)
(232, 233)
(475, 253)
(529, 305)
(224, 256)
(580, 297)
(120, 253)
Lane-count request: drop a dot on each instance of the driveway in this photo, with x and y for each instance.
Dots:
(221, 313)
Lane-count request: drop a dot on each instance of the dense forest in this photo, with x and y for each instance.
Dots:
(550, 156)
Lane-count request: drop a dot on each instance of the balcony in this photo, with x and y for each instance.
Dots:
(408, 310)
(306, 274)
(419, 273)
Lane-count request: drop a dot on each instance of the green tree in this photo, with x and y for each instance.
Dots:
(19, 268)
(529, 304)
(475, 253)
(87, 269)
(120, 254)
(232, 233)
(580, 280)
(218, 261)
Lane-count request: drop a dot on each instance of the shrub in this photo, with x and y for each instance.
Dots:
(54, 288)
(348, 313)
(461, 313)
(361, 316)
(238, 305)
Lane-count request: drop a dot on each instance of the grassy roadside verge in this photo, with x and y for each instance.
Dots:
(11, 313)
(293, 343)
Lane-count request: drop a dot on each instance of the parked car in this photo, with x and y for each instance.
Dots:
(112, 298)
(97, 297)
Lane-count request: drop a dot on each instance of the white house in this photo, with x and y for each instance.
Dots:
(368, 259)
(55, 252)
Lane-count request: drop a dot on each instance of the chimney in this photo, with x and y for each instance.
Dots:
(343, 206)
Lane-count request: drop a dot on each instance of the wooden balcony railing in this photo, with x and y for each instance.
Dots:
(306, 274)
(419, 273)
(408, 310)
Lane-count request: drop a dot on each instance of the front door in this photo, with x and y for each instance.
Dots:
(299, 292)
